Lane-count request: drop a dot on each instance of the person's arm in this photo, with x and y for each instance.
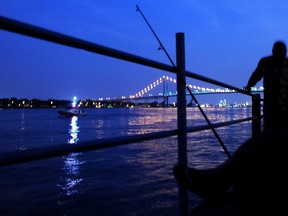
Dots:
(256, 76)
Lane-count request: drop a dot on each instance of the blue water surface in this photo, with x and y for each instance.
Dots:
(134, 179)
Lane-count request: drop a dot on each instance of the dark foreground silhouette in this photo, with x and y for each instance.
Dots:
(252, 182)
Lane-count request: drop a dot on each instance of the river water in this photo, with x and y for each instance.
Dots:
(134, 179)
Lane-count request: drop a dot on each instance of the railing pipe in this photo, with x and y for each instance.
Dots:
(256, 114)
(181, 116)
(215, 82)
(33, 154)
(28, 155)
(44, 34)
(48, 35)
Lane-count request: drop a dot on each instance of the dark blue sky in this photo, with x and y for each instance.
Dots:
(224, 41)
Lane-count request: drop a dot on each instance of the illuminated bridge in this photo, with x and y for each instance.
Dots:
(148, 92)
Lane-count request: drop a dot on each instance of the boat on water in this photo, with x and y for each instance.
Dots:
(72, 112)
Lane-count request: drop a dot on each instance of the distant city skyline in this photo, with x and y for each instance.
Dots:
(19, 103)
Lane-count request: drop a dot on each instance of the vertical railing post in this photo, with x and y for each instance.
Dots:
(182, 120)
(256, 114)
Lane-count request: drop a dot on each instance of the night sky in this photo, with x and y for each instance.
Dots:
(224, 40)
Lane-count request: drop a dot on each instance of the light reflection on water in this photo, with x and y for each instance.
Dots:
(70, 176)
(74, 130)
(112, 179)
(22, 129)
(143, 123)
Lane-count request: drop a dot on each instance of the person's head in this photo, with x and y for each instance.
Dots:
(279, 50)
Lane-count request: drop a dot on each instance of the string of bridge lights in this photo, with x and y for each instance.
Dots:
(196, 88)
(152, 85)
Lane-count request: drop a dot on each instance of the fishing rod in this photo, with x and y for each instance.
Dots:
(161, 47)
(187, 87)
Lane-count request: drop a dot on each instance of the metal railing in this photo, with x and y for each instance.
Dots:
(16, 157)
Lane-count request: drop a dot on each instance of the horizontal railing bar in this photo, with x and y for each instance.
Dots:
(48, 35)
(174, 95)
(44, 34)
(215, 82)
(21, 156)
(202, 93)
(28, 155)
(217, 125)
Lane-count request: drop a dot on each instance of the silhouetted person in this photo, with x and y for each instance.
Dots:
(253, 181)
(274, 71)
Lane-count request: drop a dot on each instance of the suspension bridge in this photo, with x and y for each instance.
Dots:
(149, 92)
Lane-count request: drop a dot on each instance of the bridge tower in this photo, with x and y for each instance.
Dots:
(165, 91)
